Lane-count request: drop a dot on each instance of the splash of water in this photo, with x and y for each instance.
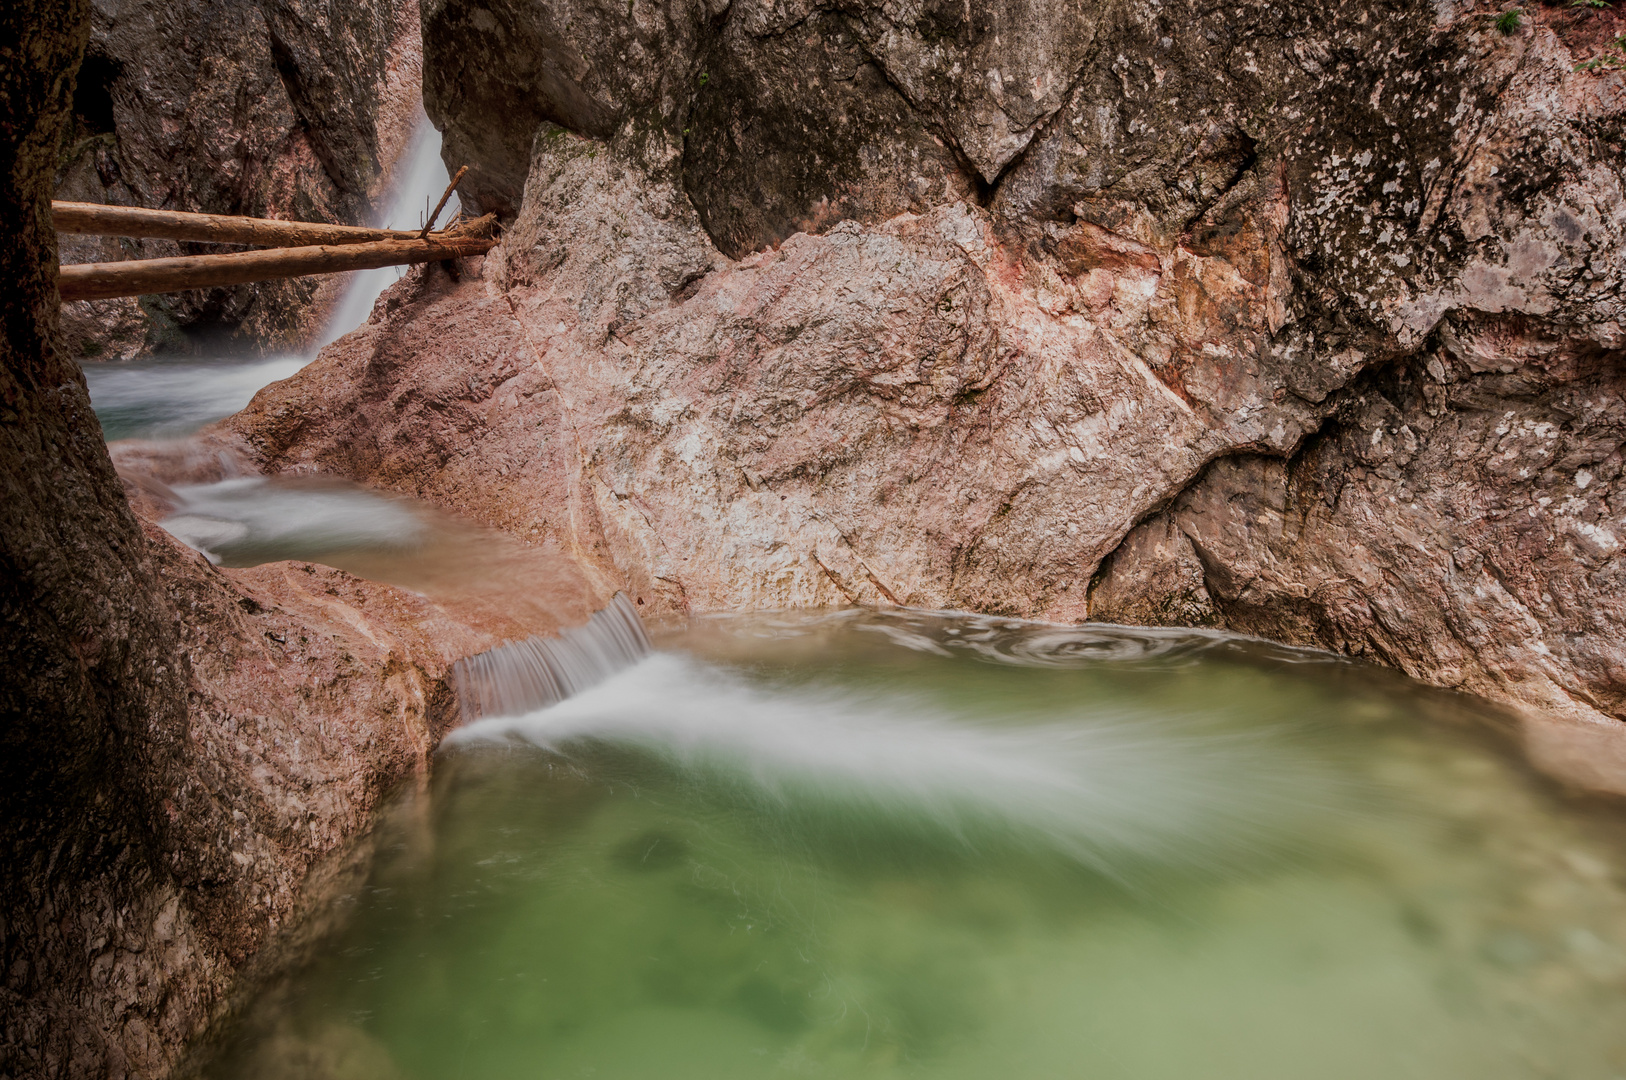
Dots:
(422, 181)
(538, 672)
(1109, 788)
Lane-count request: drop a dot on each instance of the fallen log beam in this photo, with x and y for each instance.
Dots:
(139, 277)
(96, 219)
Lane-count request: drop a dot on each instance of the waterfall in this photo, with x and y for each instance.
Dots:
(532, 674)
(422, 179)
(168, 397)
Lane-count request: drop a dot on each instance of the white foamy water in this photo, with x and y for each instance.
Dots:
(423, 182)
(1100, 785)
(157, 398)
(247, 520)
(540, 671)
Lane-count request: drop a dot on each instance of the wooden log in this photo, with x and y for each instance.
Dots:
(99, 220)
(139, 277)
(451, 187)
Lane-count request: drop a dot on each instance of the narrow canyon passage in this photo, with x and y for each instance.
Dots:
(1036, 538)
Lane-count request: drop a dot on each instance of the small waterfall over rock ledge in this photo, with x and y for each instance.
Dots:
(540, 671)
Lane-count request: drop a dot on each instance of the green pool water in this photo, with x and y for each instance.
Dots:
(875, 845)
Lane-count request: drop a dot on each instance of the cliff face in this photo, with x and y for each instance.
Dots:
(271, 108)
(1296, 320)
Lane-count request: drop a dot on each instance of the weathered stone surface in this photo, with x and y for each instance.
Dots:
(494, 70)
(811, 114)
(1462, 525)
(1235, 245)
(990, 74)
(273, 108)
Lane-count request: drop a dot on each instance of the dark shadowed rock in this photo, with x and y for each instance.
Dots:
(495, 70)
(270, 108)
(988, 75)
(796, 131)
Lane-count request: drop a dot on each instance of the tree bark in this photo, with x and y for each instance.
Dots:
(134, 221)
(140, 277)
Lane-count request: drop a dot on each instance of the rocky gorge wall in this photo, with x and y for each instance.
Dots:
(1301, 321)
(271, 108)
(1296, 321)
(181, 746)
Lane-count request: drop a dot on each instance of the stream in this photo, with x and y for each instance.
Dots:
(899, 843)
(917, 844)
(172, 396)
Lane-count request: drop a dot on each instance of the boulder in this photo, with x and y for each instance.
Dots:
(1298, 321)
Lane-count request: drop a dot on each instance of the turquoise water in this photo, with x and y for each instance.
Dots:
(871, 844)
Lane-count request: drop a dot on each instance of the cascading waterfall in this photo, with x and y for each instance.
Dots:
(165, 397)
(422, 182)
(1111, 788)
(538, 672)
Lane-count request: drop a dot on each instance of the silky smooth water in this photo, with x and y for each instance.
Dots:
(909, 844)
(422, 181)
(168, 397)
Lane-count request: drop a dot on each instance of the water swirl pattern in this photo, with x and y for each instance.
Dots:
(920, 844)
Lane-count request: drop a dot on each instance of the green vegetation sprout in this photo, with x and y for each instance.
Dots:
(1509, 20)
(1613, 57)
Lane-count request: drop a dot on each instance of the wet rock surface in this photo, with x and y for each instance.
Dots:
(280, 108)
(1214, 306)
